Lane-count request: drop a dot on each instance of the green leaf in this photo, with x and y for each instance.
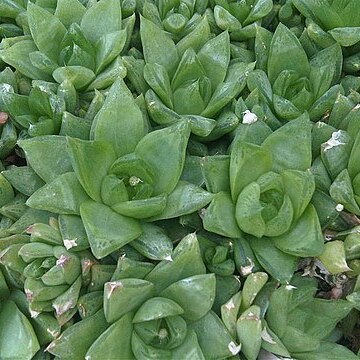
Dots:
(189, 69)
(346, 36)
(158, 79)
(187, 261)
(56, 162)
(194, 294)
(108, 47)
(242, 159)
(286, 53)
(295, 154)
(164, 152)
(342, 192)
(248, 211)
(153, 243)
(157, 308)
(158, 47)
(219, 217)
(334, 258)
(69, 11)
(64, 195)
(17, 55)
(17, 337)
(115, 341)
(279, 265)
(142, 208)
(75, 341)
(119, 121)
(125, 295)
(249, 330)
(103, 17)
(79, 76)
(186, 198)
(214, 339)
(304, 238)
(107, 230)
(299, 186)
(215, 57)
(215, 171)
(46, 30)
(327, 350)
(91, 161)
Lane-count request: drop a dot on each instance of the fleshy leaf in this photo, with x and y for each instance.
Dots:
(158, 47)
(214, 57)
(115, 341)
(279, 265)
(76, 339)
(304, 238)
(56, 161)
(194, 294)
(220, 216)
(242, 160)
(187, 261)
(107, 230)
(91, 161)
(119, 121)
(64, 195)
(214, 339)
(286, 53)
(17, 336)
(164, 152)
(186, 198)
(46, 30)
(103, 17)
(157, 308)
(294, 154)
(125, 295)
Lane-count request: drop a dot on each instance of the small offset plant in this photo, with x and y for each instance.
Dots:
(179, 179)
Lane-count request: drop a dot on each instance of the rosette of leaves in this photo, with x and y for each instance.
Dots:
(55, 267)
(75, 44)
(118, 178)
(289, 82)
(241, 18)
(278, 320)
(178, 17)
(307, 326)
(328, 22)
(193, 80)
(266, 196)
(154, 311)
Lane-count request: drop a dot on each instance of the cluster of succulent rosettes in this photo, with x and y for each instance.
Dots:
(270, 201)
(54, 275)
(150, 310)
(80, 49)
(137, 174)
(285, 320)
(340, 25)
(178, 17)
(192, 80)
(293, 83)
(241, 18)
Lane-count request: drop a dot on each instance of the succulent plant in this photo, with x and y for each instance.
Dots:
(192, 80)
(154, 311)
(83, 49)
(177, 17)
(137, 174)
(275, 195)
(241, 18)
